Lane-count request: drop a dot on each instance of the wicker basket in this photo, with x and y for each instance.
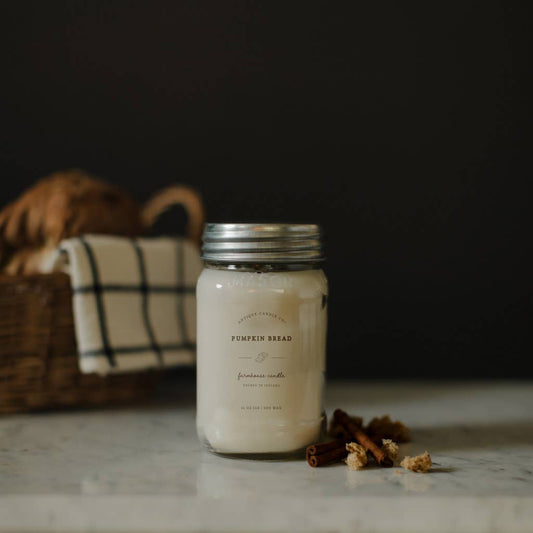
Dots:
(38, 359)
(38, 354)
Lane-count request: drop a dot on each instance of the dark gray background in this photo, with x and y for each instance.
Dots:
(399, 126)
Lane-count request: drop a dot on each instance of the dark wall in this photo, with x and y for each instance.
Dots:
(399, 126)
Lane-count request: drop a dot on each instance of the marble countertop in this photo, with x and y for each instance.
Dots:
(142, 470)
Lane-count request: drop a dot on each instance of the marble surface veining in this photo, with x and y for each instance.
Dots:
(143, 470)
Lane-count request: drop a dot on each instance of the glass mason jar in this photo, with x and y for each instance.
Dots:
(261, 340)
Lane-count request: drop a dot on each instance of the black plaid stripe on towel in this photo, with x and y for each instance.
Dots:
(133, 301)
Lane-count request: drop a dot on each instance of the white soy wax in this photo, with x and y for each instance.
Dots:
(262, 307)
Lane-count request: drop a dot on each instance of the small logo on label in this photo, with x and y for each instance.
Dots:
(260, 357)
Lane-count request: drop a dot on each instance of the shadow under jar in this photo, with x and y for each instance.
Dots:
(262, 315)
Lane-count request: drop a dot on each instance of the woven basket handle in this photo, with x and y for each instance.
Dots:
(189, 198)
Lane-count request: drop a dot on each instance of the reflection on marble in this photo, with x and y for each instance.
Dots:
(142, 470)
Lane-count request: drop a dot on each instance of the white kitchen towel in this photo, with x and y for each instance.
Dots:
(133, 301)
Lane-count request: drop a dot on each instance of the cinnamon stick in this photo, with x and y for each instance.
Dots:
(322, 447)
(362, 438)
(334, 454)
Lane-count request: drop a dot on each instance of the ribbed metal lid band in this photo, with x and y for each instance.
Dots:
(274, 243)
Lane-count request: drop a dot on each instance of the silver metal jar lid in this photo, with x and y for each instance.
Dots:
(262, 243)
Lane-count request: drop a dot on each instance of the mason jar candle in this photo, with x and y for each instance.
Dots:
(261, 340)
